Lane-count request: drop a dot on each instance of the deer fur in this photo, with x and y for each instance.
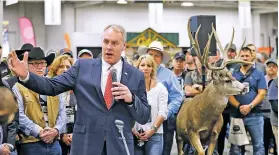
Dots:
(200, 118)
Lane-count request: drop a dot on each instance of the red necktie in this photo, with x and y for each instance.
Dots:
(108, 94)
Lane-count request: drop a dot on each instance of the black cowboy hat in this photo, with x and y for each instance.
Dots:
(38, 54)
(26, 47)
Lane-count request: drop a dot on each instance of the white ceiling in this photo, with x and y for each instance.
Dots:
(258, 5)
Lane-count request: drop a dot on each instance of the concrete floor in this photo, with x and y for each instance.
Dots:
(249, 149)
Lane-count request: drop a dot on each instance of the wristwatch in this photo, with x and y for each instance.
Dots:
(251, 106)
(155, 128)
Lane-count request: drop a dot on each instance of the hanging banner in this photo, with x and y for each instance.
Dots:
(244, 13)
(10, 2)
(26, 31)
(155, 11)
(5, 43)
(52, 12)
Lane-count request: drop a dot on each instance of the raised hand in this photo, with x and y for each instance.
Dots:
(20, 68)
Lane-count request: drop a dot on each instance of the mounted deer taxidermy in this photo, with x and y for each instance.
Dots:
(200, 118)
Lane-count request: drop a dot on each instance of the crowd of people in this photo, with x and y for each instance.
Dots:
(69, 106)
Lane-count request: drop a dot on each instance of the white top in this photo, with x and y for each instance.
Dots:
(105, 72)
(157, 97)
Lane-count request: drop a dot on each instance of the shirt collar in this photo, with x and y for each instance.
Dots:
(107, 65)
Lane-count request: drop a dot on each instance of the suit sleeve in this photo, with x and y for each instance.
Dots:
(53, 86)
(140, 110)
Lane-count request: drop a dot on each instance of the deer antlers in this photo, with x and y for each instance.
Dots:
(204, 58)
(196, 46)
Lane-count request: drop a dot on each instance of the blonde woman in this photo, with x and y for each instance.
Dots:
(150, 135)
(61, 64)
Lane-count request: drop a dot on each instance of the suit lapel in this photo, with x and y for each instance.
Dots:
(125, 73)
(97, 75)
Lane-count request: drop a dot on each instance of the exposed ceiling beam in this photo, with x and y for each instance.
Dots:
(86, 4)
(262, 11)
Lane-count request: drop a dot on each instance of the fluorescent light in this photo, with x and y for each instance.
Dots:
(122, 2)
(187, 4)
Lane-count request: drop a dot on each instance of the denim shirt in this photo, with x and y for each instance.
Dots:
(170, 81)
(28, 127)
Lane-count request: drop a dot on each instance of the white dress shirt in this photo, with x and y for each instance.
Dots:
(105, 72)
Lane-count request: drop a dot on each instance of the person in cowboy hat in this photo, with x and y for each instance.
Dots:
(24, 48)
(167, 77)
(67, 51)
(43, 118)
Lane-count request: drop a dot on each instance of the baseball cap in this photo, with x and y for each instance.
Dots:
(66, 51)
(84, 51)
(271, 60)
(179, 55)
(232, 46)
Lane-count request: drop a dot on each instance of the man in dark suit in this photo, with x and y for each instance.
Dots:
(99, 104)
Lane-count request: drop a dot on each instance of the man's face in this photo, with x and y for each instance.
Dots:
(231, 54)
(178, 64)
(253, 50)
(37, 67)
(86, 56)
(246, 56)
(112, 46)
(157, 56)
(189, 58)
(272, 69)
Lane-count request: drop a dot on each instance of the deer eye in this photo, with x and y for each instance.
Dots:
(228, 81)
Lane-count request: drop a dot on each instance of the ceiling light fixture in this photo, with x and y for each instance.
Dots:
(187, 4)
(122, 2)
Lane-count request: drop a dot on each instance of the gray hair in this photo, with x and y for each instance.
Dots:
(118, 28)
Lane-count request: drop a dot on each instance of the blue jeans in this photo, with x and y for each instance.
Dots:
(41, 148)
(154, 146)
(254, 124)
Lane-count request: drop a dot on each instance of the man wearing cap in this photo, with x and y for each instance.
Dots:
(178, 69)
(85, 54)
(167, 77)
(273, 99)
(266, 108)
(231, 54)
(66, 51)
(41, 118)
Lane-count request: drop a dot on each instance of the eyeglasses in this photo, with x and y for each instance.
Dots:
(36, 64)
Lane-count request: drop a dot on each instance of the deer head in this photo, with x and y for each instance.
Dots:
(221, 77)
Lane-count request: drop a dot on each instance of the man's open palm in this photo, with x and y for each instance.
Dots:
(20, 68)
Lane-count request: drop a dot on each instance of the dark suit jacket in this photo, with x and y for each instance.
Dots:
(94, 123)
